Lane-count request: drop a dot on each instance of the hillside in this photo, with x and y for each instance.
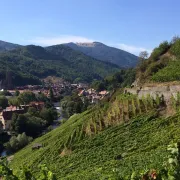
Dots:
(106, 53)
(113, 140)
(125, 136)
(162, 65)
(6, 46)
(26, 65)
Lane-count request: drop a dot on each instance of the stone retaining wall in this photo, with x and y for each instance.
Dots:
(167, 91)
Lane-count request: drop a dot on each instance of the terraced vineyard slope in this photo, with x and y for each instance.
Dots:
(113, 140)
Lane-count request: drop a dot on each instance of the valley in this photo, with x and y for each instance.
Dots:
(123, 124)
(125, 134)
(89, 90)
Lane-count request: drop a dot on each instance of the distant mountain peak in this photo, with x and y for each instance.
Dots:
(86, 44)
(89, 44)
(106, 53)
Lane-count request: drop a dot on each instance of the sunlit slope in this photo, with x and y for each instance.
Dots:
(103, 143)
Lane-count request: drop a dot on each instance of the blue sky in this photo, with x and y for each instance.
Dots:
(132, 25)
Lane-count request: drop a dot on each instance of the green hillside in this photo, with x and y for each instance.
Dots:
(26, 65)
(110, 141)
(122, 137)
(162, 65)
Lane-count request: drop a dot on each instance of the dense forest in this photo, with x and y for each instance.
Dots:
(29, 64)
(120, 79)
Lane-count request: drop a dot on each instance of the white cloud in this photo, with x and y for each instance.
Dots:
(47, 41)
(132, 49)
(58, 40)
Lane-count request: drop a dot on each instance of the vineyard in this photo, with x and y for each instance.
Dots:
(113, 140)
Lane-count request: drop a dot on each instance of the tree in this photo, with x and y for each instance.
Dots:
(174, 39)
(53, 113)
(51, 94)
(16, 143)
(16, 93)
(3, 102)
(23, 140)
(72, 104)
(32, 111)
(27, 123)
(14, 101)
(13, 123)
(34, 126)
(1, 127)
(48, 115)
(27, 97)
(21, 123)
(143, 56)
(44, 114)
(42, 97)
(85, 104)
(98, 85)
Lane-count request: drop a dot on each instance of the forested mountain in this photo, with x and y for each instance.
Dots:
(28, 64)
(106, 53)
(6, 46)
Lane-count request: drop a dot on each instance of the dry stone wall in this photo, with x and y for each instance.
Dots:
(167, 91)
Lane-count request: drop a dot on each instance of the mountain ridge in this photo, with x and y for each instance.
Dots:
(29, 63)
(103, 52)
(6, 46)
(94, 49)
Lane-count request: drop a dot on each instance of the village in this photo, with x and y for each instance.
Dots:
(57, 88)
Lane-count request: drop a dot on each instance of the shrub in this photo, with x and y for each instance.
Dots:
(175, 49)
(169, 73)
(18, 142)
(3, 102)
(163, 47)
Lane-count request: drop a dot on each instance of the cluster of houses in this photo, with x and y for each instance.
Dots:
(6, 114)
(93, 95)
(56, 87)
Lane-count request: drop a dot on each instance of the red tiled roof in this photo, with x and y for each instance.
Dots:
(7, 115)
(11, 108)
